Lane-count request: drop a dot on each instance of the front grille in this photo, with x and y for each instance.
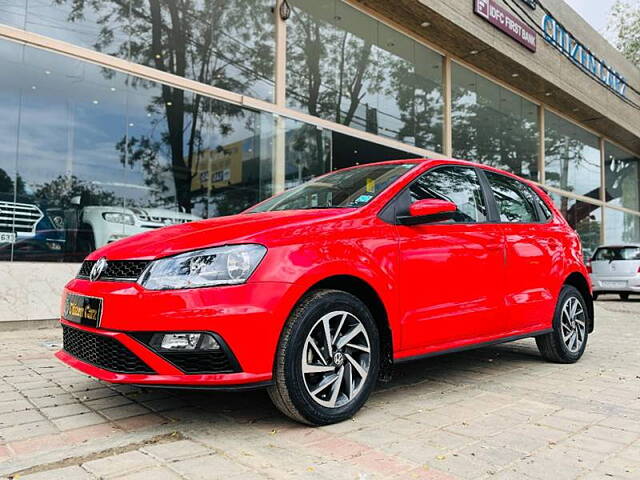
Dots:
(117, 270)
(19, 217)
(209, 362)
(101, 351)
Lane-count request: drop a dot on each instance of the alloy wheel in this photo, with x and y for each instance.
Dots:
(336, 359)
(573, 324)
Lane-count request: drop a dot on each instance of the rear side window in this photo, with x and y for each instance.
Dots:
(617, 253)
(516, 202)
(459, 185)
(544, 208)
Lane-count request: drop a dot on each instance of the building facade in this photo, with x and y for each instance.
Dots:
(119, 116)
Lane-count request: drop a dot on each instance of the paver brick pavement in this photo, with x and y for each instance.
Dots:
(495, 413)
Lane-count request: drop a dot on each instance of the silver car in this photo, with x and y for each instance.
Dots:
(616, 269)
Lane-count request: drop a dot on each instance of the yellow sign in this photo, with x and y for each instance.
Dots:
(217, 168)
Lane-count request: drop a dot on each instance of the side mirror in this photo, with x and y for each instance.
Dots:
(430, 210)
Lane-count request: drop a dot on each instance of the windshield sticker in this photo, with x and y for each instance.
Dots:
(363, 199)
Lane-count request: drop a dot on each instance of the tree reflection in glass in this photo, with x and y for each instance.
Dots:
(572, 157)
(492, 125)
(347, 67)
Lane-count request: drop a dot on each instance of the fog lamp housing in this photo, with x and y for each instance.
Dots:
(184, 342)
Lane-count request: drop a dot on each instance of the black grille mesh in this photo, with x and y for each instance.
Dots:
(102, 351)
(128, 270)
(210, 362)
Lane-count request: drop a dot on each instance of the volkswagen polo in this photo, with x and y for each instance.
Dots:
(317, 291)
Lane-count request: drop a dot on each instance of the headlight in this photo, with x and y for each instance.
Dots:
(118, 217)
(229, 265)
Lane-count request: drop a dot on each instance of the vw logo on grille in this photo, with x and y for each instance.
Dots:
(97, 269)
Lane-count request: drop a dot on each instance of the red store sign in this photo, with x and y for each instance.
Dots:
(501, 18)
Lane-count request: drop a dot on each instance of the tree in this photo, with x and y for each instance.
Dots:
(624, 28)
(7, 186)
(58, 193)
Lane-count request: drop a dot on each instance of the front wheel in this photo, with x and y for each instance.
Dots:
(624, 296)
(568, 340)
(327, 360)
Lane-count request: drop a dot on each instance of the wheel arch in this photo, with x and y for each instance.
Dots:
(577, 280)
(370, 297)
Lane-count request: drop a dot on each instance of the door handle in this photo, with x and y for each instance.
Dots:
(494, 246)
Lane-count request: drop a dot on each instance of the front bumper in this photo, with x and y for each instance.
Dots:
(247, 319)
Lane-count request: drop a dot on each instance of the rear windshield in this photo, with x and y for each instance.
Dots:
(617, 253)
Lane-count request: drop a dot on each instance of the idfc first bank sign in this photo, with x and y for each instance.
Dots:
(504, 20)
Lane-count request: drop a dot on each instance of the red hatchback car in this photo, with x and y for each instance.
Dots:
(314, 292)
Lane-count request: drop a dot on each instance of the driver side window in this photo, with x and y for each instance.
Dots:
(459, 185)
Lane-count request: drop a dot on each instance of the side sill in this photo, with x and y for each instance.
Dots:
(512, 338)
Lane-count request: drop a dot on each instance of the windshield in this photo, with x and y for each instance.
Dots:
(343, 189)
(617, 253)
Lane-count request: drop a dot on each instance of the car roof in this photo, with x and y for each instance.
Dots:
(448, 161)
(621, 245)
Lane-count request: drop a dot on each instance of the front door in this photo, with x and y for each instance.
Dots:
(451, 273)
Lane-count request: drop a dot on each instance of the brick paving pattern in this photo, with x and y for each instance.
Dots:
(495, 413)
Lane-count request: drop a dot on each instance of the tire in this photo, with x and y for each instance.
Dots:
(595, 296)
(304, 341)
(558, 345)
(624, 296)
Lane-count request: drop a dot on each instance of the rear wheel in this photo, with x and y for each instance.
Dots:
(624, 296)
(595, 296)
(568, 340)
(328, 359)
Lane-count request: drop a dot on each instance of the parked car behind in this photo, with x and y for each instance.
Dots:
(27, 233)
(109, 224)
(315, 291)
(616, 269)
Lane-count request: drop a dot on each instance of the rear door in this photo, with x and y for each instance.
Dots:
(451, 273)
(533, 254)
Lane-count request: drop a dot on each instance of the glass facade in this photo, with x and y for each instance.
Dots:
(585, 218)
(622, 177)
(213, 42)
(345, 66)
(493, 125)
(91, 155)
(621, 227)
(572, 157)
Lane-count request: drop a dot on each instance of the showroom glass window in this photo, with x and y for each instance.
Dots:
(572, 157)
(459, 185)
(585, 218)
(622, 183)
(492, 125)
(621, 227)
(345, 66)
(229, 44)
(622, 177)
(94, 154)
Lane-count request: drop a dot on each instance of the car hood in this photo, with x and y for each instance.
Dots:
(265, 228)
